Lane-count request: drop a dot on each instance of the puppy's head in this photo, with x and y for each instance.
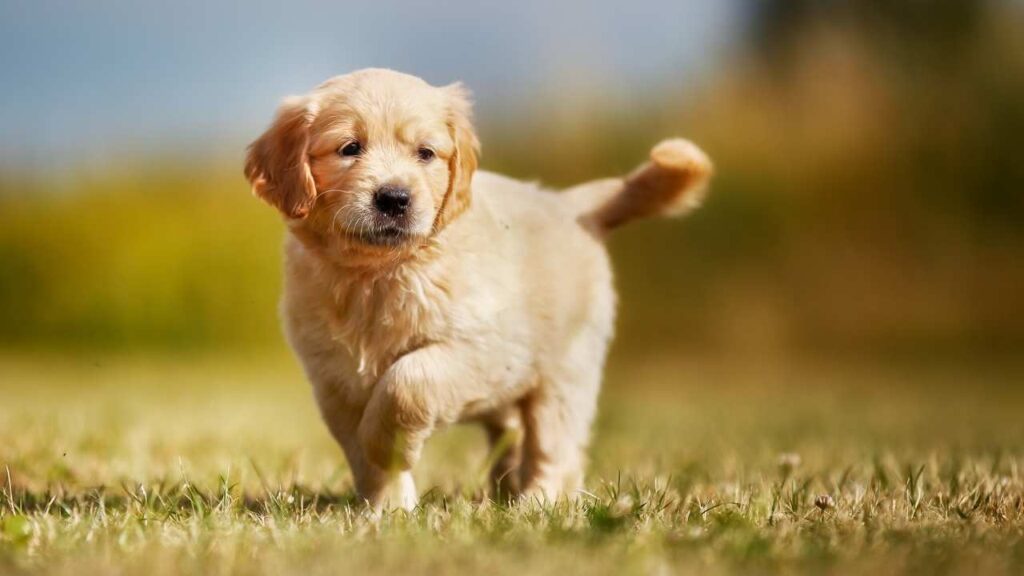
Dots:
(379, 159)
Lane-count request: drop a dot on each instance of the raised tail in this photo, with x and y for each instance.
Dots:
(672, 183)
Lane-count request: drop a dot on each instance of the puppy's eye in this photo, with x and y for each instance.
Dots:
(425, 154)
(351, 149)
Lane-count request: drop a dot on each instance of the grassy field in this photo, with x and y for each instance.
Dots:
(143, 466)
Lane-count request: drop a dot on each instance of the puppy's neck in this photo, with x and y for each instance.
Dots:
(383, 303)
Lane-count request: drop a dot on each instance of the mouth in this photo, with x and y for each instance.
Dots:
(386, 236)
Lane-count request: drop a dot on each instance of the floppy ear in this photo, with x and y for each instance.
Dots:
(463, 161)
(277, 165)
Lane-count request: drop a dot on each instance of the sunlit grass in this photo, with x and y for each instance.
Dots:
(189, 465)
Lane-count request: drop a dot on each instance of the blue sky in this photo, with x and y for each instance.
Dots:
(83, 81)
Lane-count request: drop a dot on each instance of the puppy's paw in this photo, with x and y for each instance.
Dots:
(546, 494)
(399, 494)
(681, 155)
(407, 499)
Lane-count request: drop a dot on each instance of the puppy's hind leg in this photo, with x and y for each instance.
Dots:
(505, 440)
(557, 420)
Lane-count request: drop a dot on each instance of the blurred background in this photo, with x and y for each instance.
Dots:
(869, 197)
(844, 316)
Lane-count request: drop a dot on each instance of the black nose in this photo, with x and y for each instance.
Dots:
(392, 200)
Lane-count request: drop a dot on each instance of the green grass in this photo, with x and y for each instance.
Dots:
(142, 466)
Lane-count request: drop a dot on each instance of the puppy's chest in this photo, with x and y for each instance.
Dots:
(376, 319)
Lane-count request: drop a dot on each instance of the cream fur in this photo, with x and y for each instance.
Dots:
(494, 305)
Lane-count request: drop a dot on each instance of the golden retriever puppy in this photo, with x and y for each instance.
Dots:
(420, 291)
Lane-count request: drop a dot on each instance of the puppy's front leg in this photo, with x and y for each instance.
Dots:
(424, 387)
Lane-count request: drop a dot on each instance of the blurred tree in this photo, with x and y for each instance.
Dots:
(955, 69)
(935, 30)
